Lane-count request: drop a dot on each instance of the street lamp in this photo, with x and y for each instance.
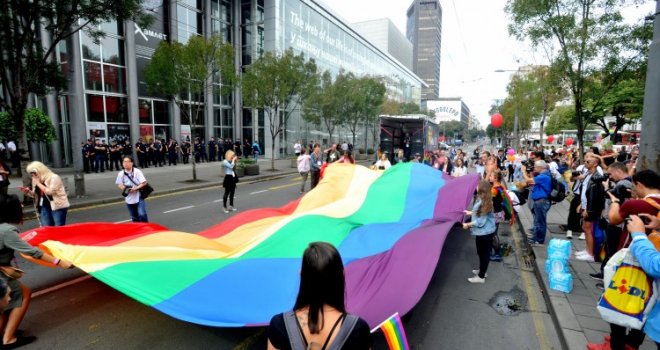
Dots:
(516, 118)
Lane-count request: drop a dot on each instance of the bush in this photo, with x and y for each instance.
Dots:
(8, 130)
(370, 151)
(38, 126)
(361, 151)
(245, 161)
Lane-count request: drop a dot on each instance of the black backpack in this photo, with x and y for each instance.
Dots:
(557, 191)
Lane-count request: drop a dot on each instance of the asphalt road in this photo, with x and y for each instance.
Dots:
(453, 314)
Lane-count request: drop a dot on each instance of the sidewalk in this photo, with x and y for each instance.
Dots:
(100, 188)
(578, 321)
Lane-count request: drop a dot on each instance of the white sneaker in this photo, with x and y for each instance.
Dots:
(476, 273)
(232, 208)
(476, 279)
(226, 211)
(569, 234)
(582, 236)
(581, 252)
(585, 257)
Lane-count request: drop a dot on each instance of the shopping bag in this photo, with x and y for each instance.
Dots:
(630, 293)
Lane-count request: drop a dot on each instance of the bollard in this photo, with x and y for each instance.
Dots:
(79, 183)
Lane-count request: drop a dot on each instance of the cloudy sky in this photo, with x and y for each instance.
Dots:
(475, 43)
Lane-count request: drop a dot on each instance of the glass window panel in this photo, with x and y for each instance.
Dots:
(227, 117)
(116, 109)
(190, 3)
(217, 117)
(247, 134)
(95, 108)
(260, 11)
(90, 50)
(215, 8)
(144, 111)
(115, 79)
(215, 26)
(225, 12)
(112, 27)
(246, 8)
(161, 112)
(93, 76)
(113, 50)
(247, 117)
(226, 33)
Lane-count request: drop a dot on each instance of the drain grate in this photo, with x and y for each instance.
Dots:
(509, 303)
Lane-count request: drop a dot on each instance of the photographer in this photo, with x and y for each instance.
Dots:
(541, 197)
(130, 180)
(620, 186)
(646, 193)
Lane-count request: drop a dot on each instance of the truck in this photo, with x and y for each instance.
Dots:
(414, 133)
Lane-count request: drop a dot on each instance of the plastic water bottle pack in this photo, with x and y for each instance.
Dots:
(556, 265)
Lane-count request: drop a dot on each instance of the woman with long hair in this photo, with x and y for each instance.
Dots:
(230, 180)
(48, 191)
(347, 157)
(459, 169)
(11, 213)
(482, 225)
(319, 317)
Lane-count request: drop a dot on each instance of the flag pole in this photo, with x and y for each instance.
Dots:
(382, 323)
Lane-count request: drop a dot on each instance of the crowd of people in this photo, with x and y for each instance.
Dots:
(99, 156)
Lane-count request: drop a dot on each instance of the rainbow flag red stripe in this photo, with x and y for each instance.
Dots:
(394, 333)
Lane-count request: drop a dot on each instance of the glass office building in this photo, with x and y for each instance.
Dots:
(107, 97)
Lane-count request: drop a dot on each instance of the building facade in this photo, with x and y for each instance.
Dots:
(107, 96)
(384, 34)
(424, 30)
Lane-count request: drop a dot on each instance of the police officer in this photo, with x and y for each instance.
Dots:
(172, 152)
(115, 155)
(141, 150)
(88, 156)
(197, 150)
(185, 151)
(213, 150)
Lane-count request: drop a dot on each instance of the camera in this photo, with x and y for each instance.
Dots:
(529, 166)
(126, 190)
(621, 192)
(575, 174)
(597, 178)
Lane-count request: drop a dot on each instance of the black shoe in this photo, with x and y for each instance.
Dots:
(20, 341)
(597, 276)
(600, 286)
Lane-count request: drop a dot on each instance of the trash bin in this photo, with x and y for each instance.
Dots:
(79, 184)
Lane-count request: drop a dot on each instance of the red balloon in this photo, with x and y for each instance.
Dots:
(551, 138)
(496, 120)
(569, 141)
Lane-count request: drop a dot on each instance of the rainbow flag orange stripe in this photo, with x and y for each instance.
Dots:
(394, 333)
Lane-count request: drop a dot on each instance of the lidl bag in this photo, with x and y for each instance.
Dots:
(630, 293)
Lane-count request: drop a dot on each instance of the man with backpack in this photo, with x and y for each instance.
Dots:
(541, 192)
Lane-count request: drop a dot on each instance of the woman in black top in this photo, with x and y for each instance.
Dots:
(319, 314)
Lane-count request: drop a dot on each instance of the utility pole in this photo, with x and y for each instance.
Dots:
(649, 145)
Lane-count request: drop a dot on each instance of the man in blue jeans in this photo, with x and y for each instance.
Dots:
(542, 182)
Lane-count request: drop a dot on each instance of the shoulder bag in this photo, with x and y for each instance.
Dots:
(144, 191)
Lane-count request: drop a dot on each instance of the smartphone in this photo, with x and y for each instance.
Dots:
(24, 188)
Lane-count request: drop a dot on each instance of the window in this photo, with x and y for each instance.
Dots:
(144, 111)
(114, 79)
(188, 23)
(95, 108)
(116, 109)
(93, 76)
(161, 112)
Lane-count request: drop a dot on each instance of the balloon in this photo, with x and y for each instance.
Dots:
(511, 157)
(511, 151)
(551, 138)
(569, 141)
(496, 120)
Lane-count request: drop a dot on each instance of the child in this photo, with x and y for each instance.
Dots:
(482, 226)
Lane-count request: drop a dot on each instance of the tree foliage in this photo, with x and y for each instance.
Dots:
(586, 36)
(38, 126)
(27, 63)
(8, 129)
(561, 118)
(277, 83)
(185, 72)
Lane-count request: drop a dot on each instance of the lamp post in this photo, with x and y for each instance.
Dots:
(516, 117)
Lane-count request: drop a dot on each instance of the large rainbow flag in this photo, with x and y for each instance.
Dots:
(388, 226)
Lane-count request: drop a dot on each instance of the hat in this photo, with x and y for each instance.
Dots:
(541, 164)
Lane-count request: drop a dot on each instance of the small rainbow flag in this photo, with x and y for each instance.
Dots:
(394, 332)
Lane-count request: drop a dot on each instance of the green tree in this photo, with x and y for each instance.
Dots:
(277, 83)
(588, 35)
(27, 64)
(366, 96)
(8, 129)
(324, 102)
(561, 118)
(38, 126)
(390, 107)
(184, 73)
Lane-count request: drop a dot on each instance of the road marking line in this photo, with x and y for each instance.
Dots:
(531, 297)
(283, 186)
(257, 192)
(60, 286)
(121, 222)
(177, 209)
(217, 201)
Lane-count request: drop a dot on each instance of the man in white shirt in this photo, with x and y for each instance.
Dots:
(13, 154)
(297, 147)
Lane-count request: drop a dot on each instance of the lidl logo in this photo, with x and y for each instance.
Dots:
(629, 290)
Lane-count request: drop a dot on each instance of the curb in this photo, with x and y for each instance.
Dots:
(544, 287)
(29, 213)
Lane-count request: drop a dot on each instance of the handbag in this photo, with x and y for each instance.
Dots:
(11, 272)
(144, 191)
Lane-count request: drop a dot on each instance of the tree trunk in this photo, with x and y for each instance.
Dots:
(545, 113)
(580, 126)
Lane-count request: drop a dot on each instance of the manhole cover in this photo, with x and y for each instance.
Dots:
(509, 303)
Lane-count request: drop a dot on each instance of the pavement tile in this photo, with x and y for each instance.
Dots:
(595, 336)
(583, 267)
(585, 310)
(565, 315)
(575, 339)
(580, 290)
(593, 323)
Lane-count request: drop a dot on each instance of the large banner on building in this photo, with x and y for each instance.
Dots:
(445, 111)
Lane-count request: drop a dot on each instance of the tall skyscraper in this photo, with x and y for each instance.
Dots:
(424, 30)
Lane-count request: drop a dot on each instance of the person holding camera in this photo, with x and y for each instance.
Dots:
(540, 196)
(230, 180)
(130, 180)
(592, 203)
